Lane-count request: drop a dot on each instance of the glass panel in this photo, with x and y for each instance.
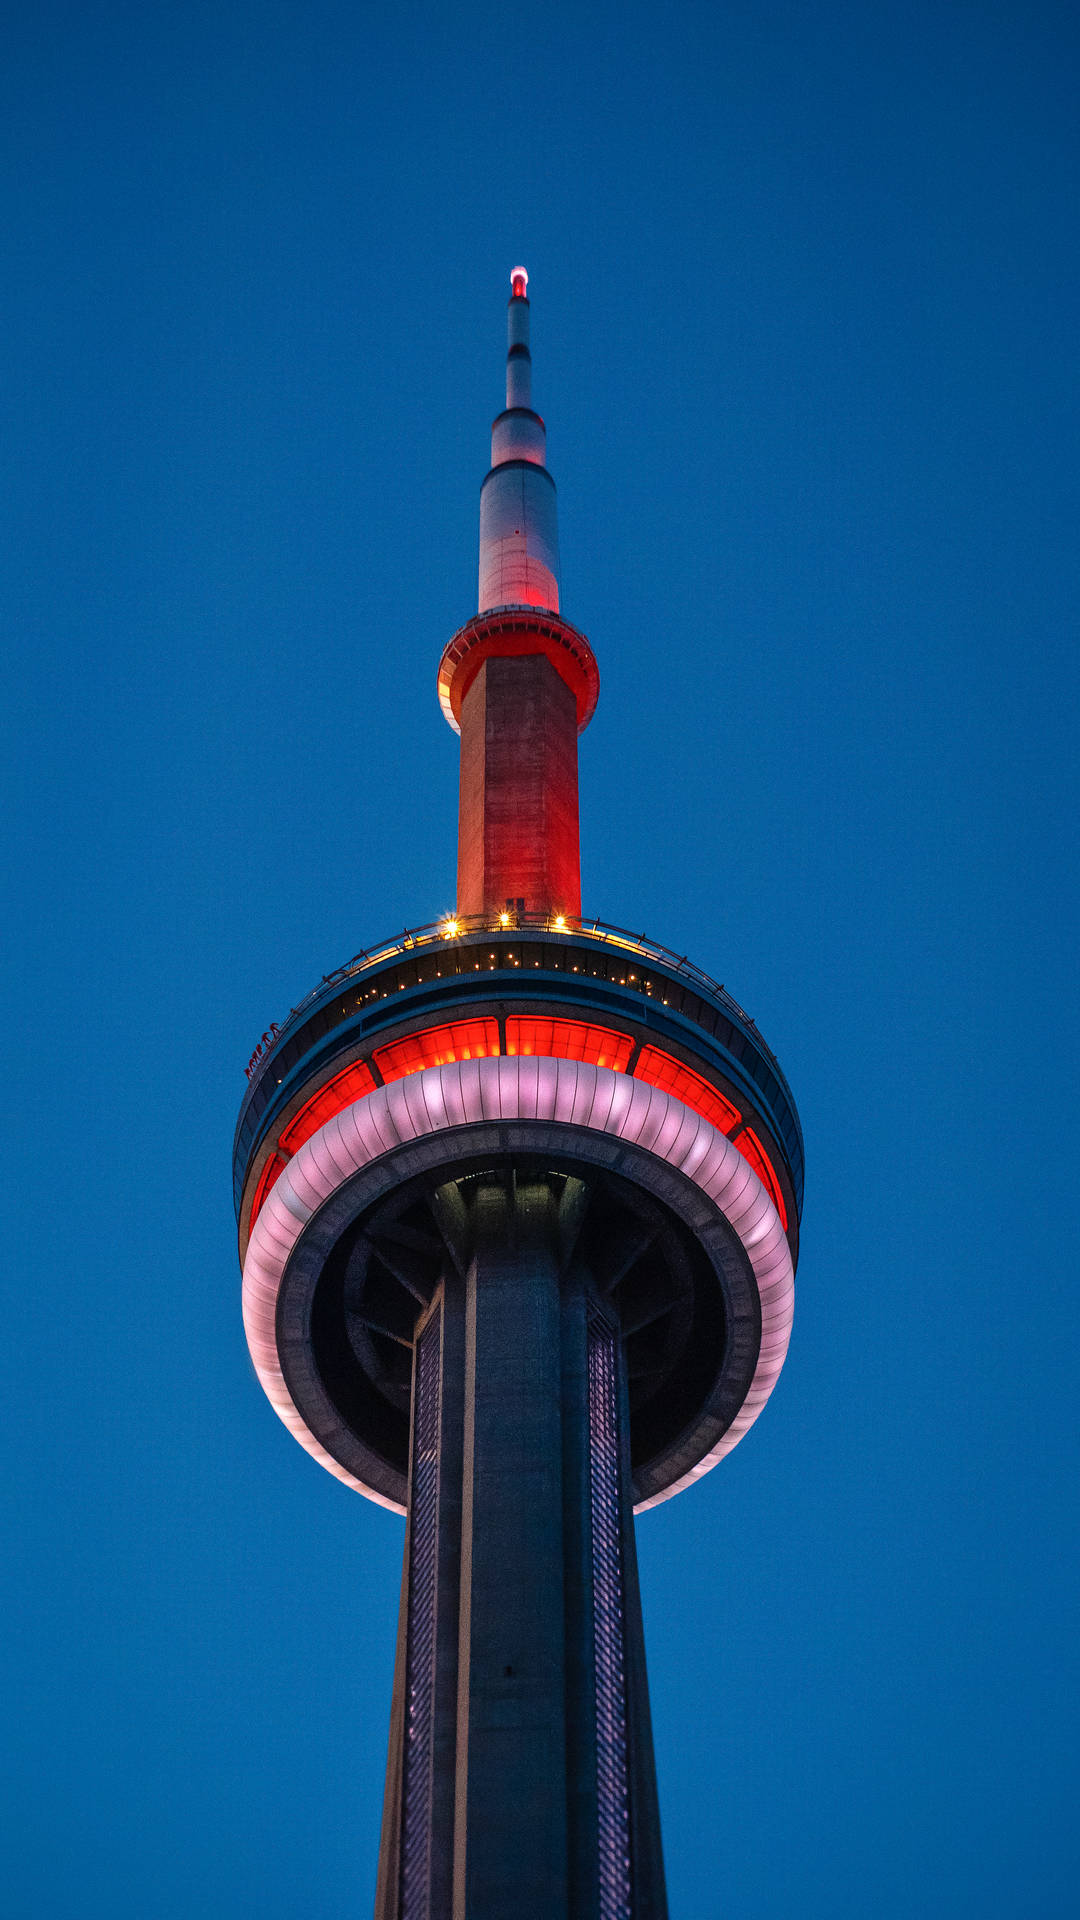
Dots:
(436, 1046)
(339, 1092)
(658, 1069)
(752, 1151)
(568, 1040)
(269, 1174)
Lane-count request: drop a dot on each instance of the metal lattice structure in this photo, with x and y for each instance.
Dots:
(420, 1667)
(612, 1780)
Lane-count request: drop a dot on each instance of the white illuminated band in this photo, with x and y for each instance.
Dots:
(531, 1088)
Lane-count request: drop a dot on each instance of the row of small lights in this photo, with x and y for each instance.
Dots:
(626, 980)
(451, 928)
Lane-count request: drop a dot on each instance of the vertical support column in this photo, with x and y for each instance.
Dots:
(608, 1624)
(510, 1842)
(416, 1868)
(649, 1888)
(617, 1867)
(418, 1768)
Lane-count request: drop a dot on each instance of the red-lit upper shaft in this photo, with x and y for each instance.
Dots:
(517, 682)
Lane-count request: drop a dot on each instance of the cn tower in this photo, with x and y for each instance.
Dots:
(518, 1196)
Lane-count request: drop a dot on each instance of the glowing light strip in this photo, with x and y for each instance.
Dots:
(468, 1092)
(436, 1046)
(612, 1776)
(274, 1166)
(418, 1757)
(752, 1150)
(350, 1084)
(660, 1069)
(568, 1040)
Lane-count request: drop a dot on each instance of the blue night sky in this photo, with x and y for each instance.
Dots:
(804, 290)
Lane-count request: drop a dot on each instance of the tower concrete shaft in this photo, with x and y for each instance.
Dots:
(518, 838)
(520, 1778)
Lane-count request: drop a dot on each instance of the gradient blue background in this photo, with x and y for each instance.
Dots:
(804, 314)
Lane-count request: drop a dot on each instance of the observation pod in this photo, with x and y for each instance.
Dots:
(518, 1197)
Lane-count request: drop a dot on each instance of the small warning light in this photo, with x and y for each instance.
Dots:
(519, 281)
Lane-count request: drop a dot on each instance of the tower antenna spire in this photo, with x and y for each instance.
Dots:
(519, 531)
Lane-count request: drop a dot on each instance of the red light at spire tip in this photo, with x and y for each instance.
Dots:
(519, 281)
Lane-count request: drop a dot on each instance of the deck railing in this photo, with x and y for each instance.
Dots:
(450, 929)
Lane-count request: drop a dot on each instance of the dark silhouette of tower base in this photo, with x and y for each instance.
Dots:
(518, 1197)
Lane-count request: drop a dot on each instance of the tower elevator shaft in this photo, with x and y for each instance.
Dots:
(520, 1715)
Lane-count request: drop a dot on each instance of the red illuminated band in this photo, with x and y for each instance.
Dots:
(508, 634)
(341, 1091)
(437, 1046)
(660, 1070)
(275, 1165)
(754, 1153)
(526, 1035)
(568, 1040)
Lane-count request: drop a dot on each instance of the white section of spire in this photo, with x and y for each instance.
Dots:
(518, 357)
(519, 538)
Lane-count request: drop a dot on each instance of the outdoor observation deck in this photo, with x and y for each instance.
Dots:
(429, 978)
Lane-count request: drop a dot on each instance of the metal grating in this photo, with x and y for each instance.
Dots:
(420, 1643)
(612, 1773)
